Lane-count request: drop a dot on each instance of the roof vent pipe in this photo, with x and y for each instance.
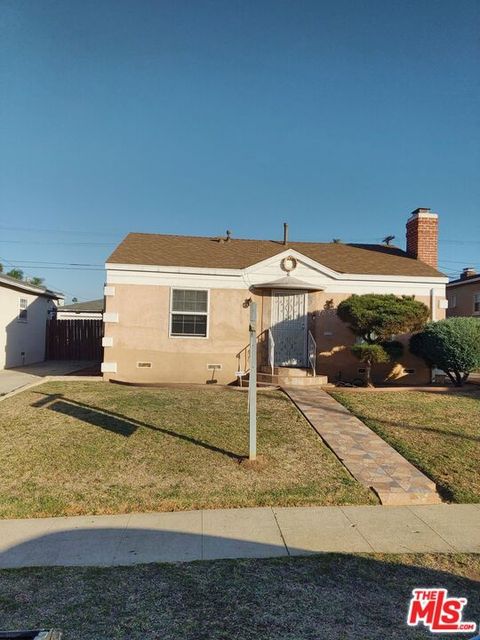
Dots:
(285, 233)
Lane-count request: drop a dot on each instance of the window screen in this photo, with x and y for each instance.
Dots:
(476, 303)
(23, 313)
(189, 312)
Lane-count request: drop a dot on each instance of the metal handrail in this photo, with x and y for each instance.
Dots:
(312, 352)
(243, 356)
(271, 350)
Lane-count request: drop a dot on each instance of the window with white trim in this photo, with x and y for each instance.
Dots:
(189, 313)
(22, 310)
(476, 303)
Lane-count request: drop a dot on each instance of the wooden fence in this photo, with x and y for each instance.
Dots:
(74, 340)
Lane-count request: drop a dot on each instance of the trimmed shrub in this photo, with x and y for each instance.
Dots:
(375, 318)
(452, 345)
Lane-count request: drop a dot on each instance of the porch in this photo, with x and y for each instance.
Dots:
(287, 348)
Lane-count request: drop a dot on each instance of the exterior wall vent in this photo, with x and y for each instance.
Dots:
(144, 365)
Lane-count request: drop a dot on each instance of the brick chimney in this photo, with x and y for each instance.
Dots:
(422, 236)
(467, 273)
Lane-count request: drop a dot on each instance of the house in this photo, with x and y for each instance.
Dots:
(176, 307)
(24, 310)
(90, 310)
(464, 294)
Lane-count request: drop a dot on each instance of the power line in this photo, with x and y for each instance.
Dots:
(23, 266)
(459, 241)
(72, 231)
(464, 262)
(85, 244)
(52, 286)
(34, 263)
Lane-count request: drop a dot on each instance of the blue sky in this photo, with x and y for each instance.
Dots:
(192, 117)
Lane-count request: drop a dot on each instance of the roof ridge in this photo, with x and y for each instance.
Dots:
(280, 242)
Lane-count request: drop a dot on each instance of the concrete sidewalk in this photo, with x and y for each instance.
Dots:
(238, 533)
(20, 377)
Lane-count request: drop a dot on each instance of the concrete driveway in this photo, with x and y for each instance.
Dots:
(12, 379)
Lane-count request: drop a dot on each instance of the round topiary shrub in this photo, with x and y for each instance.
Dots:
(452, 345)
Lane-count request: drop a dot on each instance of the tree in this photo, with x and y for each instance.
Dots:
(452, 345)
(15, 273)
(1, 267)
(370, 354)
(375, 318)
(36, 281)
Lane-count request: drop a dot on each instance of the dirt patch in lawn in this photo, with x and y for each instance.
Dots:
(439, 432)
(92, 447)
(330, 597)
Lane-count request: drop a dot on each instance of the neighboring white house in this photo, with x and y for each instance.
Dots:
(24, 310)
(90, 310)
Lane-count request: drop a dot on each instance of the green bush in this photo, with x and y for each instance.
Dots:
(452, 345)
(375, 318)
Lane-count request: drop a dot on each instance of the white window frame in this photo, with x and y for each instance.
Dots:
(189, 313)
(22, 308)
(476, 300)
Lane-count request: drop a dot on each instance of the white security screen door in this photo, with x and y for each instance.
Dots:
(289, 326)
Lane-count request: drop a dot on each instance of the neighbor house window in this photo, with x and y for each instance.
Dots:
(452, 301)
(476, 303)
(189, 313)
(22, 312)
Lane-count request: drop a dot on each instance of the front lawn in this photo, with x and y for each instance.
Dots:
(93, 448)
(333, 597)
(439, 432)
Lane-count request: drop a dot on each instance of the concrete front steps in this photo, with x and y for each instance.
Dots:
(290, 376)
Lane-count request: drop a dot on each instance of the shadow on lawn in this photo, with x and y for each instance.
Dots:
(115, 422)
(414, 427)
(330, 596)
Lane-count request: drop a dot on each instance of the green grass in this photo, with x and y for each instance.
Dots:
(332, 597)
(439, 432)
(95, 448)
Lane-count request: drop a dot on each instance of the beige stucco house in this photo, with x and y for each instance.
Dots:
(176, 307)
(464, 294)
(24, 310)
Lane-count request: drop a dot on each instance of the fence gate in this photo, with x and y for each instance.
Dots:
(74, 340)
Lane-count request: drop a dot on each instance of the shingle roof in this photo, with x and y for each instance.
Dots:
(90, 305)
(196, 251)
(465, 280)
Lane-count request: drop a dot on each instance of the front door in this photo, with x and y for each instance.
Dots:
(289, 326)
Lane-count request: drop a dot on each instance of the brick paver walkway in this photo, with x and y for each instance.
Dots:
(369, 459)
